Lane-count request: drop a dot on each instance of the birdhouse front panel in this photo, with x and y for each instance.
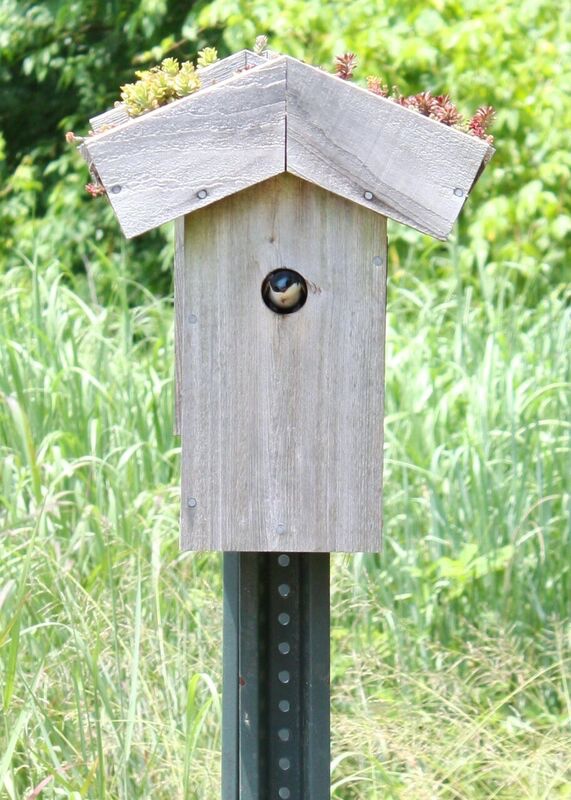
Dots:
(281, 293)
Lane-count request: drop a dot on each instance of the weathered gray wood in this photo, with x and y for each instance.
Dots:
(179, 225)
(109, 119)
(215, 73)
(282, 422)
(236, 132)
(350, 141)
(193, 152)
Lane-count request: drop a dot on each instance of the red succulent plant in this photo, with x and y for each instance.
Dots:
(95, 189)
(345, 66)
(437, 107)
(481, 121)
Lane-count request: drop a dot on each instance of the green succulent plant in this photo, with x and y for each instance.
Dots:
(187, 80)
(207, 56)
(162, 84)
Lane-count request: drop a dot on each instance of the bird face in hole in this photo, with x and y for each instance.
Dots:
(284, 291)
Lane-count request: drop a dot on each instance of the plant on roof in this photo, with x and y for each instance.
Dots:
(480, 122)
(438, 107)
(171, 80)
(260, 45)
(95, 189)
(345, 65)
(442, 109)
(207, 56)
(160, 85)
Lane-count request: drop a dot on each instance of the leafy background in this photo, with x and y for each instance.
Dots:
(451, 650)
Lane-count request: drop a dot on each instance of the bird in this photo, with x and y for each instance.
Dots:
(284, 291)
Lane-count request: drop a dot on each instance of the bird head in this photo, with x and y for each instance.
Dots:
(284, 291)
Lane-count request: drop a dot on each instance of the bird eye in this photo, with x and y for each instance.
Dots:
(284, 291)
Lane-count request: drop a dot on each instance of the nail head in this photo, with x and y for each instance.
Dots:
(116, 189)
(459, 192)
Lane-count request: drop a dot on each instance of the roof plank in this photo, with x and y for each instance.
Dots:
(191, 153)
(377, 153)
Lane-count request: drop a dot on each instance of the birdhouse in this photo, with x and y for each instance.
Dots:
(281, 178)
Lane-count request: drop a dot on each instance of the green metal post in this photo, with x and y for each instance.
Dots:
(276, 697)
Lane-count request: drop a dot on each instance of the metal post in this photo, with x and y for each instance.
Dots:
(275, 723)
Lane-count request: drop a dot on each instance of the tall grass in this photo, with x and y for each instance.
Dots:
(478, 468)
(451, 651)
(106, 639)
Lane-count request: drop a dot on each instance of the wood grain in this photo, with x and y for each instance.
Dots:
(215, 73)
(282, 415)
(217, 141)
(350, 141)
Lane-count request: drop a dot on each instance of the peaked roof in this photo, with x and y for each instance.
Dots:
(256, 117)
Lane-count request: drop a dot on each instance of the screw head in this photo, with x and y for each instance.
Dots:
(116, 189)
(280, 528)
(368, 195)
(192, 502)
(459, 192)
(202, 194)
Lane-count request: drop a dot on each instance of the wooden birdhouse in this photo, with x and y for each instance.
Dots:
(281, 177)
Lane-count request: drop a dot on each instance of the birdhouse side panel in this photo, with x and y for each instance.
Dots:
(282, 414)
(179, 269)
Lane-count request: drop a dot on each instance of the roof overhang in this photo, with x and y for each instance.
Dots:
(280, 115)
